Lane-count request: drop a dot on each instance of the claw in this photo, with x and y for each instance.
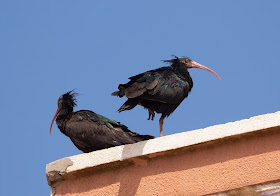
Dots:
(151, 114)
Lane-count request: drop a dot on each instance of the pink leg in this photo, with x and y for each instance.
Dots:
(160, 125)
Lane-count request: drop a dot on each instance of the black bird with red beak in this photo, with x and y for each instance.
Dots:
(160, 90)
(90, 131)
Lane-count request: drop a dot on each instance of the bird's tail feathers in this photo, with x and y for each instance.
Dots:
(128, 105)
(136, 136)
(145, 137)
(116, 93)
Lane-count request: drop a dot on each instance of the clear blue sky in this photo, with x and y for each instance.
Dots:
(50, 47)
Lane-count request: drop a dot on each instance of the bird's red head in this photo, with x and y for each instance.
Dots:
(192, 64)
(66, 102)
(188, 63)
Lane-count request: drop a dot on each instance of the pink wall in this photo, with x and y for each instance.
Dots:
(197, 170)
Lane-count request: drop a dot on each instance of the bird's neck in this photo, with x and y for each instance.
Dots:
(183, 72)
(62, 118)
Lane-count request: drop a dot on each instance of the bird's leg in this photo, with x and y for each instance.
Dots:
(151, 113)
(160, 125)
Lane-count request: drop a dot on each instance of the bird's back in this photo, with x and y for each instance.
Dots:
(90, 131)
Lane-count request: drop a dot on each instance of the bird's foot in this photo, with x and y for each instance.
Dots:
(151, 114)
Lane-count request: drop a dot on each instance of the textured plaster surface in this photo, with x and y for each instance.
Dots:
(55, 170)
(204, 161)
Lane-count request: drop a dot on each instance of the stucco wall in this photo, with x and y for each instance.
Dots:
(205, 168)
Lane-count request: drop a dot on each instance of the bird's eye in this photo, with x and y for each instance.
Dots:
(187, 60)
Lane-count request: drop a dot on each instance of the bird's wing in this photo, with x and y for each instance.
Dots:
(86, 114)
(90, 131)
(161, 85)
(117, 127)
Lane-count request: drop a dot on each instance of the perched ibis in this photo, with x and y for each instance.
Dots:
(90, 131)
(160, 90)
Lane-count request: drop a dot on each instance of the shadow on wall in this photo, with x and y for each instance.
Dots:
(124, 177)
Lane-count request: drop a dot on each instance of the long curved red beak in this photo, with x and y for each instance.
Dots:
(55, 115)
(197, 65)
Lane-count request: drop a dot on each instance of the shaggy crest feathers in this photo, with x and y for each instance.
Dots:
(69, 98)
(171, 60)
(175, 59)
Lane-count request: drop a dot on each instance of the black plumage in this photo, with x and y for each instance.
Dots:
(160, 90)
(90, 131)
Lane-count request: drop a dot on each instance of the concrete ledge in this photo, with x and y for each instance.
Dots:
(62, 169)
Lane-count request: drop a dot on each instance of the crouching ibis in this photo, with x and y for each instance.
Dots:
(90, 131)
(160, 90)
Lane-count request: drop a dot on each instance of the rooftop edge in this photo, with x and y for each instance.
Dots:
(57, 169)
